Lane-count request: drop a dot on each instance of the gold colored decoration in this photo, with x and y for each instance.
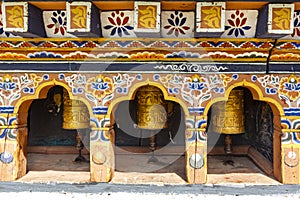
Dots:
(14, 16)
(78, 17)
(152, 114)
(281, 18)
(228, 117)
(75, 114)
(211, 16)
(147, 16)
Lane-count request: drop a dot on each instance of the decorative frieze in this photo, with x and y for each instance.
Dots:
(23, 19)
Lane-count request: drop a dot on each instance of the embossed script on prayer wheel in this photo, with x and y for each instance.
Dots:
(228, 117)
(151, 111)
(75, 114)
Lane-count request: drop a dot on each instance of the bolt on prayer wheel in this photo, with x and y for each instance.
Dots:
(151, 112)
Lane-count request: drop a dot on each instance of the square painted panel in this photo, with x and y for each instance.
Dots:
(240, 24)
(83, 19)
(117, 24)
(55, 23)
(147, 17)
(2, 32)
(22, 19)
(78, 16)
(210, 16)
(280, 18)
(15, 16)
(177, 24)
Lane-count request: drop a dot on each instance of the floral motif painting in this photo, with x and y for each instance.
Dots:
(296, 30)
(177, 24)
(55, 23)
(240, 23)
(117, 24)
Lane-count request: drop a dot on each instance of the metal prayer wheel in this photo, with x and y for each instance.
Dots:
(228, 117)
(151, 114)
(75, 116)
(75, 113)
(152, 110)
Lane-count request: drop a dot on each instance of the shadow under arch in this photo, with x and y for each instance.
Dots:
(256, 94)
(42, 91)
(273, 169)
(134, 146)
(65, 149)
(134, 89)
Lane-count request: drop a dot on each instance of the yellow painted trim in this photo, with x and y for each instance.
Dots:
(291, 130)
(250, 60)
(290, 145)
(195, 129)
(9, 141)
(94, 50)
(142, 39)
(10, 126)
(290, 117)
(52, 83)
(131, 95)
(100, 129)
(255, 91)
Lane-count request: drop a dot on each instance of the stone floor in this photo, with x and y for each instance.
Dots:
(55, 168)
(136, 169)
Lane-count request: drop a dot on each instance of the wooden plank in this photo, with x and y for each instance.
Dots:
(236, 150)
(261, 161)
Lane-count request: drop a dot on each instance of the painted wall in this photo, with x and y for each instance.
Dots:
(194, 62)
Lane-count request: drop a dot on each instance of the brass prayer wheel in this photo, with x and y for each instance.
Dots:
(151, 111)
(75, 113)
(228, 117)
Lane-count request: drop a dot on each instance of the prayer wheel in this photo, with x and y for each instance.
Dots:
(228, 117)
(151, 111)
(151, 114)
(75, 117)
(75, 114)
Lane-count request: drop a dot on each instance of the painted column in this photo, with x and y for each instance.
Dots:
(101, 147)
(290, 145)
(196, 154)
(13, 140)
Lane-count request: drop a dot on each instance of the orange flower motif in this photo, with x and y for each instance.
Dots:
(226, 79)
(100, 86)
(197, 84)
(290, 87)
